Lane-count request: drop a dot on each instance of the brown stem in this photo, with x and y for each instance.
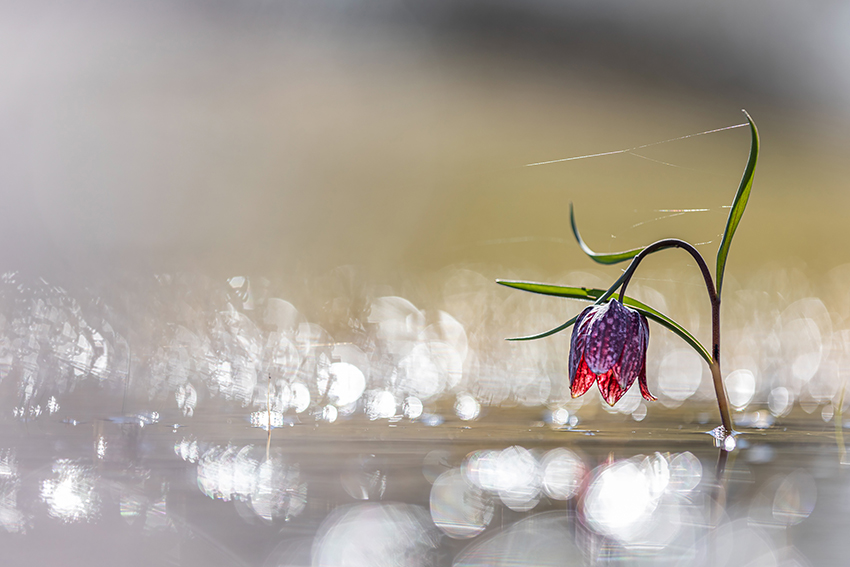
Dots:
(676, 243)
(722, 401)
(714, 298)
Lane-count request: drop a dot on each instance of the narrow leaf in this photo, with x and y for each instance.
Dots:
(592, 294)
(557, 329)
(612, 258)
(586, 293)
(670, 324)
(739, 204)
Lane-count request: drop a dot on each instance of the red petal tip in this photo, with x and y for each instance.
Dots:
(644, 390)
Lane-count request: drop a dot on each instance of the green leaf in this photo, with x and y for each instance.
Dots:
(739, 204)
(592, 294)
(613, 258)
(586, 293)
(557, 329)
(670, 324)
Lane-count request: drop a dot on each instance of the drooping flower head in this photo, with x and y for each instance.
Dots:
(608, 346)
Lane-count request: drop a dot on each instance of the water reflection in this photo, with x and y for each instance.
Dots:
(193, 343)
(795, 498)
(272, 487)
(460, 509)
(11, 517)
(376, 535)
(621, 501)
(563, 472)
(70, 492)
(242, 223)
(364, 477)
(191, 373)
(539, 540)
(514, 505)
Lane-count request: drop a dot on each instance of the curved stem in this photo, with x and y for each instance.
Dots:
(714, 298)
(673, 243)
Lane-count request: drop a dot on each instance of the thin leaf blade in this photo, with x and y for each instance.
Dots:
(671, 325)
(586, 293)
(593, 294)
(739, 203)
(544, 334)
(612, 258)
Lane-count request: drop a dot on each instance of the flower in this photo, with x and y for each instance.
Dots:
(608, 346)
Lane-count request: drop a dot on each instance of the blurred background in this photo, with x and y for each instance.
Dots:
(222, 217)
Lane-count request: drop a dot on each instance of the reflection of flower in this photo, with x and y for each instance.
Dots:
(609, 346)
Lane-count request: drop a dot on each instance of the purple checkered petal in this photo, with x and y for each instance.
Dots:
(608, 346)
(608, 332)
(634, 353)
(578, 340)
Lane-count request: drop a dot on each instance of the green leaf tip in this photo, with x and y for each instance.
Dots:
(739, 203)
(592, 294)
(613, 258)
(545, 334)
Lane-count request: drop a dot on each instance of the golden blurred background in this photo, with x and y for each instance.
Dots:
(252, 137)
(248, 313)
